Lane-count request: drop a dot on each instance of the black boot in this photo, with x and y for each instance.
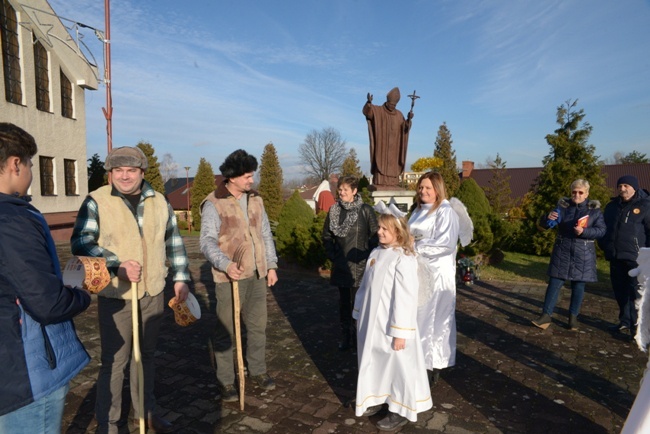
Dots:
(433, 376)
(346, 339)
(345, 317)
(543, 321)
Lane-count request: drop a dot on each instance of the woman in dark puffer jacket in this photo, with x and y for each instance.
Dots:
(579, 223)
(349, 235)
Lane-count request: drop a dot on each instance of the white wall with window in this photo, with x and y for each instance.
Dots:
(42, 84)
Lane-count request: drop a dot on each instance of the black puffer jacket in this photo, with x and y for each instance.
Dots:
(348, 254)
(574, 257)
(628, 227)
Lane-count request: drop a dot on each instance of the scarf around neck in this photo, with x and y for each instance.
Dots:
(352, 208)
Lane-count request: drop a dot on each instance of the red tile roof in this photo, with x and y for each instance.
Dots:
(177, 191)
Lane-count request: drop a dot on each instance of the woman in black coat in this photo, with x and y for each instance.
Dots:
(579, 223)
(349, 235)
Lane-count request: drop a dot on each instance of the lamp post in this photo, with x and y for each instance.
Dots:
(187, 191)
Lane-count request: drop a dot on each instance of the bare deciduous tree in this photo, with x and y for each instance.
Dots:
(323, 152)
(168, 167)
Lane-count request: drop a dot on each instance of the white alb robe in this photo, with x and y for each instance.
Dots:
(436, 239)
(385, 307)
(638, 420)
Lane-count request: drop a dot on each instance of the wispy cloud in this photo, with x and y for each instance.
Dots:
(202, 79)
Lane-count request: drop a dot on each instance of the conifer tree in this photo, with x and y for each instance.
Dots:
(350, 166)
(293, 234)
(96, 173)
(498, 190)
(479, 211)
(270, 187)
(570, 158)
(152, 174)
(202, 186)
(631, 158)
(447, 155)
(363, 190)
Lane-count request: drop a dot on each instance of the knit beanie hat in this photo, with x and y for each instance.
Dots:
(629, 180)
(126, 156)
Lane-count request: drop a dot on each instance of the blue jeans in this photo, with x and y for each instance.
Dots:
(40, 417)
(553, 292)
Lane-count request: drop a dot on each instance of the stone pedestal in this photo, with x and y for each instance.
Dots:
(403, 198)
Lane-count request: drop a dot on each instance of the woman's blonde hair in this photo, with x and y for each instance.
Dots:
(438, 186)
(580, 183)
(399, 227)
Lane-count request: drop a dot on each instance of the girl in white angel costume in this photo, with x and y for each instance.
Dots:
(391, 362)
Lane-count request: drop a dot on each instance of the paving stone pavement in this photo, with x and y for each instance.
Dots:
(509, 377)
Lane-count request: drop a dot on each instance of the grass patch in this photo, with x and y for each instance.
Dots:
(519, 267)
(186, 233)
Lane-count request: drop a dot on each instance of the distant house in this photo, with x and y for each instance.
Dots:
(178, 195)
(307, 194)
(523, 179)
(42, 90)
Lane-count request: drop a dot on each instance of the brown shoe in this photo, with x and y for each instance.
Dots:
(156, 424)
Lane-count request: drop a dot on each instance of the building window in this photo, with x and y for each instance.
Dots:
(70, 169)
(66, 96)
(46, 166)
(10, 53)
(42, 74)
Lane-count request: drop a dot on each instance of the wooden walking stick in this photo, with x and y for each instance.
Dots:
(136, 354)
(237, 258)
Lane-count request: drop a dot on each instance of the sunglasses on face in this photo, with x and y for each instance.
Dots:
(580, 193)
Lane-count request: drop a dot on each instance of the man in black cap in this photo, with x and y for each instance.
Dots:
(627, 217)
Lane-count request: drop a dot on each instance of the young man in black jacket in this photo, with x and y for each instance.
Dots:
(39, 349)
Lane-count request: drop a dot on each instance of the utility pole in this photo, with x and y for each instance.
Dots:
(108, 110)
(187, 192)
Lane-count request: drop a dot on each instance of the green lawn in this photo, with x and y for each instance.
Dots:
(530, 268)
(186, 233)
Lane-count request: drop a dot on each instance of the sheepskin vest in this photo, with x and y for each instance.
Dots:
(119, 232)
(235, 232)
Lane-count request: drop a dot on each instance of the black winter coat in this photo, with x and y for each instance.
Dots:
(348, 254)
(628, 227)
(574, 257)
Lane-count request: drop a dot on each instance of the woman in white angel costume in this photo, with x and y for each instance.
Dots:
(391, 363)
(436, 226)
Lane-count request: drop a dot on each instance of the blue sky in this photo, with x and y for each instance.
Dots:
(201, 78)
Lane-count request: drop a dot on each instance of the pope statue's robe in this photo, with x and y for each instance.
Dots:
(389, 135)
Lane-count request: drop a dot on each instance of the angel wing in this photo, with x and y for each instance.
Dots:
(642, 272)
(465, 224)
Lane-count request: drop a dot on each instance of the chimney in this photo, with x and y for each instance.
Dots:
(468, 167)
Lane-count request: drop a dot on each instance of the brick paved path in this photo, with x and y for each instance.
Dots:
(509, 378)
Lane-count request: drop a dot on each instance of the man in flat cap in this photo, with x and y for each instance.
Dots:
(389, 136)
(627, 217)
(135, 229)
